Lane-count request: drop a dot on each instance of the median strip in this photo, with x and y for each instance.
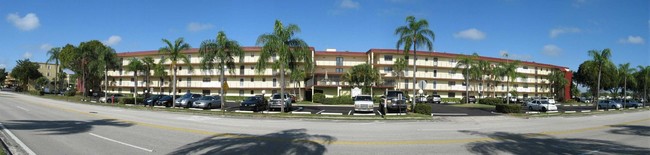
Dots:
(301, 112)
(585, 111)
(20, 143)
(451, 114)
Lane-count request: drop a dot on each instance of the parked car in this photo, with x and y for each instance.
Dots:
(632, 103)
(207, 102)
(293, 98)
(111, 98)
(187, 101)
(550, 100)
(609, 104)
(276, 102)
(253, 103)
(584, 100)
(541, 105)
(164, 101)
(511, 98)
(472, 99)
(152, 99)
(433, 99)
(393, 102)
(363, 103)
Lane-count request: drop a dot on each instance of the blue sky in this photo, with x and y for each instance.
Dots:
(558, 32)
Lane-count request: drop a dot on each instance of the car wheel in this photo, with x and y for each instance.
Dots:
(613, 107)
(209, 106)
(543, 109)
(530, 108)
(600, 107)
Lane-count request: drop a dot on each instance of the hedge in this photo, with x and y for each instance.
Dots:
(129, 100)
(341, 100)
(377, 99)
(424, 109)
(508, 108)
(318, 98)
(490, 101)
(450, 100)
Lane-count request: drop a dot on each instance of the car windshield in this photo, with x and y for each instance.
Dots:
(166, 97)
(277, 96)
(394, 93)
(206, 98)
(196, 95)
(544, 102)
(250, 99)
(363, 98)
(186, 95)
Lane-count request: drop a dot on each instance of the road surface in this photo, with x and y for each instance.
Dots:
(48, 126)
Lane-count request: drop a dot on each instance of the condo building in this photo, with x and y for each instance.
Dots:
(435, 70)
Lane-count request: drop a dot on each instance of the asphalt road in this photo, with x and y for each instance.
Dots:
(55, 127)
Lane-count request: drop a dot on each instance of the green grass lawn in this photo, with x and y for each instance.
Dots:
(476, 106)
(2, 151)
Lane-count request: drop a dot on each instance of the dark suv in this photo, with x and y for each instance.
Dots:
(394, 101)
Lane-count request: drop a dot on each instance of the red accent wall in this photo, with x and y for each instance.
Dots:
(568, 75)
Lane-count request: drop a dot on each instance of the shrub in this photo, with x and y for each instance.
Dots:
(35, 92)
(318, 98)
(377, 99)
(571, 101)
(450, 100)
(508, 108)
(129, 100)
(71, 92)
(341, 100)
(490, 101)
(424, 109)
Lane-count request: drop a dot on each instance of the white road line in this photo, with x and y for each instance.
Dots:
(319, 111)
(349, 112)
(29, 151)
(19, 107)
(448, 114)
(123, 143)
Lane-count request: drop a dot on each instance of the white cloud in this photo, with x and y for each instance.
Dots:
(195, 27)
(563, 30)
(27, 55)
(349, 4)
(471, 34)
(551, 50)
(27, 23)
(46, 47)
(112, 40)
(632, 40)
(3, 66)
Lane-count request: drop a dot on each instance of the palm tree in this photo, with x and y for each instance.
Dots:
(600, 58)
(108, 57)
(557, 81)
(642, 76)
(220, 52)
(510, 71)
(297, 76)
(159, 71)
(465, 62)
(625, 71)
(496, 77)
(415, 34)
(54, 54)
(135, 66)
(480, 72)
(362, 75)
(290, 51)
(173, 52)
(398, 70)
(148, 64)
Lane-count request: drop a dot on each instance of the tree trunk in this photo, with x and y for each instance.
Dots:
(135, 88)
(223, 96)
(282, 88)
(598, 87)
(105, 83)
(174, 88)
(415, 58)
(624, 91)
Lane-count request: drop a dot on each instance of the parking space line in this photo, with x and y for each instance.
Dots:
(300, 112)
(448, 114)
(20, 143)
(329, 113)
(123, 143)
(244, 111)
(19, 107)
(350, 112)
(319, 111)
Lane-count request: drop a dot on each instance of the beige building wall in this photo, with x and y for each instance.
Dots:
(48, 70)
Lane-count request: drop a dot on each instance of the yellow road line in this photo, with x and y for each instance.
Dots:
(393, 142)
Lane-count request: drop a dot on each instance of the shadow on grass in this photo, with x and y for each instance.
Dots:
(634, 130)
(294, 141)
(62, 127)
(532, 144)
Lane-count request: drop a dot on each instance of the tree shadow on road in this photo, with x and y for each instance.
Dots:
(62, 127)
(532, 144)
(634, 130)
(294, 141)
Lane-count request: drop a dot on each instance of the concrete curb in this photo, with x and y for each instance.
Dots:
(359, 114)
(215, 109)
(449, 114)
(395, 114)
(532, 112)
(244, 111)
(552, 111)
(569, 111)
(601, 110)
(329, 113)
(195, 109)
(270, 112)
(300, 112)
(585, 111)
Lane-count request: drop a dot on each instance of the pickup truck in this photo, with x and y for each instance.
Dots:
(393, 100)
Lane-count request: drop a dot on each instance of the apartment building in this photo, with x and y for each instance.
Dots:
(48, 70)
(434, 68)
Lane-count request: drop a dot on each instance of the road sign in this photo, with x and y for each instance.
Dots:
(225, 86)
(422, 84)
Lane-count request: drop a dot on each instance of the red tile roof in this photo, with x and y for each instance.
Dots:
(193, 50)
(340, 53)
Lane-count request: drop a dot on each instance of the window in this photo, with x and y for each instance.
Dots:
(252, 68)
(451, 94)
(180, 90)
(241, 70)
(205, 92)
(131, 90)
(132, 79)
(388, 69)
(274, 82)
(434, 84)
(515, 86)
(525, 67)
(388, 57)
(339, 70)
(252, 79)
(189, 57)
(452, 60)
(241, 92)
(435, 73)
(263, 79)
(426, 59)
(435, 59)
(48, 67)
(252, 92)
(502, 86)
(406, 84)
(189, 81)
(339, 61)
(252, 55)
(119, 90)
(120, 82)
(406, 58)
(206, 79)
(48, 74)
(274, 91)
(525, 85)
(451, 83)
(120, 71)
(241, 82)
(180, 68)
